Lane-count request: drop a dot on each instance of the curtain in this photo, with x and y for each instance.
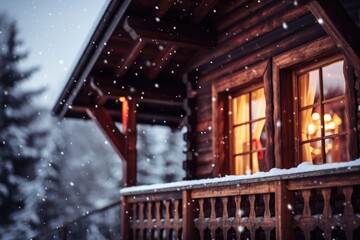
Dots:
(307, 90)
(241, 133)
(258, 111)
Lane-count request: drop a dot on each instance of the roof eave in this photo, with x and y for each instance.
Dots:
(106, 26)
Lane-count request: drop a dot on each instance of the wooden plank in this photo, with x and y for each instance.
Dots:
(267, 52)
(261, 42)
(250, 34)
(138, 198)
(179, 34)
(283, 215)
(350, 179)
(350, 102)
(202, 10)
(340, 27)
(238, 10)
(238, 189)
(132, 54)
(272, 11)
(160, 62)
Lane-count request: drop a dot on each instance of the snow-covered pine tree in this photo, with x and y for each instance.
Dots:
(22, 140)
(174, 156)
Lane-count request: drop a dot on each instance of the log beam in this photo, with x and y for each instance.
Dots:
(202, 10)
(339, 26)
(123, 143)
(139, 89)
(134, 51)
(164, 7)
(160, 62)
(166, 32)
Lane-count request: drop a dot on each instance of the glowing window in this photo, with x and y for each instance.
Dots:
(248, 132)
(321, 114)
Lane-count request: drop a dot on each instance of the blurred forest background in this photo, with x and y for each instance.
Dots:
(52, 170)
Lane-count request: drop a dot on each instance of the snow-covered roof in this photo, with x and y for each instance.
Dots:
(303, 170)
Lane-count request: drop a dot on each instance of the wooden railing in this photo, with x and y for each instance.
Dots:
(322, 204)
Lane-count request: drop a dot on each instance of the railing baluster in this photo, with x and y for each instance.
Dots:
(176, 218)
(213, 213)
(252, 214)
(225, 215)
(326, 192)
(267, 214)
(141, 220)
(237, 209)
(306, 197)
(306, 214)
(348, 210)
(201, 218)
(158, 217)
(201, 210)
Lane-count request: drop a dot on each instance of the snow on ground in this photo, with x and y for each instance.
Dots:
(273, 174)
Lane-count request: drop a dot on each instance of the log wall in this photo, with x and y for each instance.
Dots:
(243, 43)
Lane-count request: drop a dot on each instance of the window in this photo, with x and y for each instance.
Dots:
(320, 114)
(248, 137)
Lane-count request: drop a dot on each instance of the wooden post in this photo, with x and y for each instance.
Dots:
(187, 215)
(284, 201)
(125, 215)
(130, 139)
(124, 144)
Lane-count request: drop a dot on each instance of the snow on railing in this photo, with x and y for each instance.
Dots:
(303, 170)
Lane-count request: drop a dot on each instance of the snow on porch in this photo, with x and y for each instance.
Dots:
(303, 170)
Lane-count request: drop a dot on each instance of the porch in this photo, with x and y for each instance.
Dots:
(307, 202)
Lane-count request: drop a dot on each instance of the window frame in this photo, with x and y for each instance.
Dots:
(319, 65)
(282, 67)
(260, 72)
(256, 85)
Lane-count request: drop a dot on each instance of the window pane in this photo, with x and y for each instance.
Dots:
(311, 152)
(335, 149)
(308, 85)
(333, 80)
(310, 124)
(334, 117)
(242, 165)
(240, 106)
(242, 139)
(258, 104)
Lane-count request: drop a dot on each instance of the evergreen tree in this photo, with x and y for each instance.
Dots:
(174, 157)
(22, 142)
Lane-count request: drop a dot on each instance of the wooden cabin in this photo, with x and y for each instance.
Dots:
(259, 85)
